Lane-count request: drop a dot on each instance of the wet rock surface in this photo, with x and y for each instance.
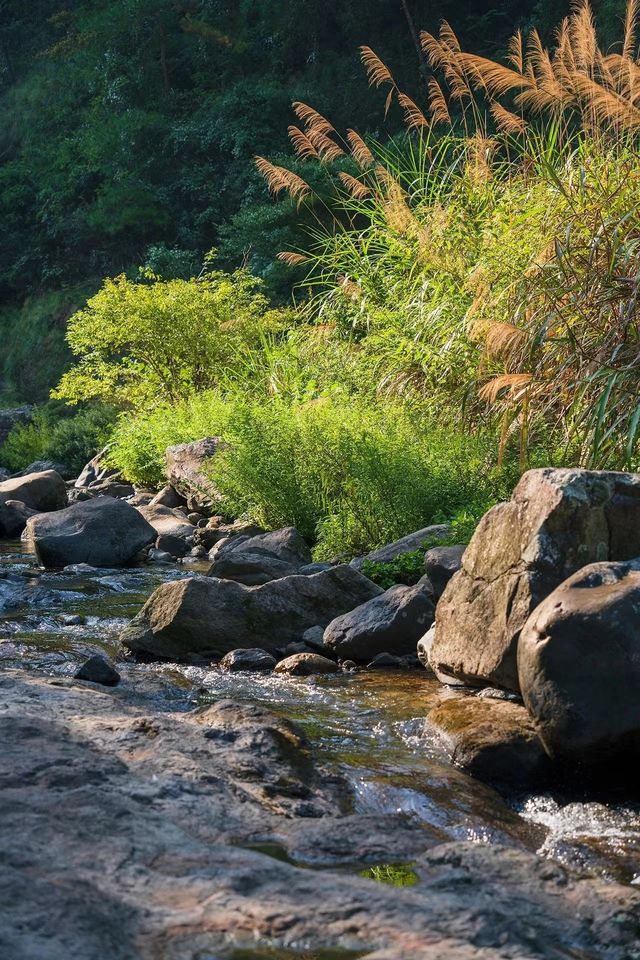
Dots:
(125, 833)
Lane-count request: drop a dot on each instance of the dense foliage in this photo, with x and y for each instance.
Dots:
(128, 128)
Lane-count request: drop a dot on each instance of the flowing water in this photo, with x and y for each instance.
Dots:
(369, 725)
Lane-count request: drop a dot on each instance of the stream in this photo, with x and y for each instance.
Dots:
(369, 726)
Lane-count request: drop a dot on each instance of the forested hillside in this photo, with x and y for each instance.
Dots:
(128, 131)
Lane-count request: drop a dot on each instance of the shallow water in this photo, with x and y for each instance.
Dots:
(368, 725)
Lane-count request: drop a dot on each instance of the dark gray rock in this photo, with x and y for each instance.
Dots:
(493, 740)
(38, 491)
(13, 518)
(102, 533)
(579, 667)
(557, 522)
(441, 563)
(392, 622)
(98, 670)
(248, 659)
(261, 558)
(43, 466)
(176, 546)
(95, 472)
(385, 661)
(205, 618)
(409, 544)
(306, 665)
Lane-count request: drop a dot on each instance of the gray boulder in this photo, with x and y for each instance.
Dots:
(556, 522)
(258, 559)
(579, 666)
(168, 497)
(441, 563)
(392, 622)
(101, 532)
(42, 466)
(250, 660)
(167, 522)
(493, 740)
(39, 491)
(98, 670)
(409, 544)
(204, 618)
(187, 471)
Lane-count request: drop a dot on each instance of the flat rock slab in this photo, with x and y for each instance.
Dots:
(124, 829)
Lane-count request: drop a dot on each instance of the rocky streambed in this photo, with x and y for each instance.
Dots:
(190, 812)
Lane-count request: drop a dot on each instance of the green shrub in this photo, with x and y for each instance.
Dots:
(349, 476)
(58, 435)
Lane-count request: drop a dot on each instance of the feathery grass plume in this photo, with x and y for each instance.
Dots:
(516, 52)
(480, 151)
(513, 383)
(413, 115)
(630, 29)
(292, 259)
(279, 180)
(377, 72)
(397, 212)
(359, 150)
(493, 77)
(607, 106)
(506, 121)
(302, 145)
(311, 118)
(584, 40)
(349, 287)
(500, 339)
(356, 188)
(443, 53)
(436, 53)
(327, 148)
(437, 103)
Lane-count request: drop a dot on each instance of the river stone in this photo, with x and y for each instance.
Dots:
(556, 522)
(98, 670)
(306, 664)
(409, 544)
(44, 466)
(95, 472)
(186, 469)
(258, 559)
(167, 521)
(168, 497)
(392, 622)
(13, 518)
(256, 660)
(204, 618)
(102, 533)
(579, 666)
(441, 563)
(493, 740)
(45, 491)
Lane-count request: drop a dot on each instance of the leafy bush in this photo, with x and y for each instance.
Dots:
(137, 342)
(349, 476)
(57, 435)
(407, 569)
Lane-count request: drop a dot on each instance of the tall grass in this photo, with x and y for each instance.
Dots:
(488, 260)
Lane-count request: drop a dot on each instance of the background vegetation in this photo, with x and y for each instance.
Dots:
(466, 263)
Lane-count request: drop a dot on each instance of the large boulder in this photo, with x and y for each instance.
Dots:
(258, 559)
(423, 538)
(187, 471)
(102, 532)
(557, 522)
(579, 666)
(39, 491)
(205, 618)
(390, 623)
(493, 740)
(41, 466)
(167, 521)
